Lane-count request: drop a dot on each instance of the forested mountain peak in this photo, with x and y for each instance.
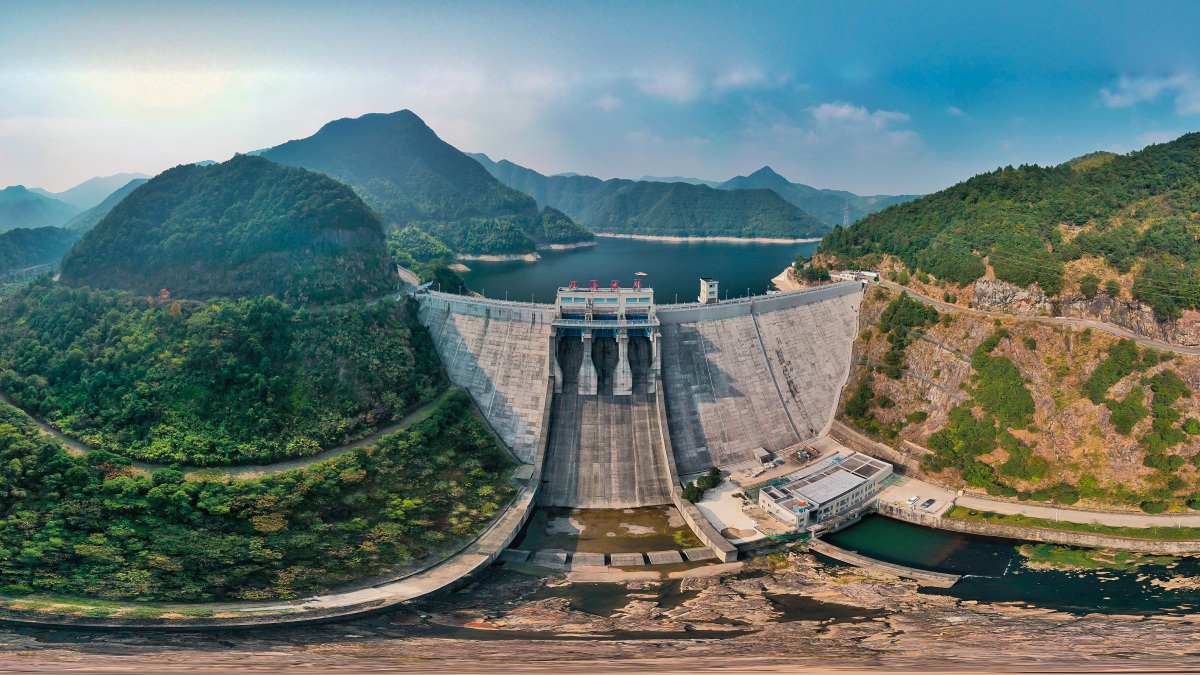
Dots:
(1091, 160)
(1129, 220)
(242, 228)
(401, 168)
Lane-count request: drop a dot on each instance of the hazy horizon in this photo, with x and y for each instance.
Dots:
(895, 99)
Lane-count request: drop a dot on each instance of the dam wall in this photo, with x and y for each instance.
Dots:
(763, 372)
(497, 351)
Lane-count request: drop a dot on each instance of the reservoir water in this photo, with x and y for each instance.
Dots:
(673, 269)
(996, 572)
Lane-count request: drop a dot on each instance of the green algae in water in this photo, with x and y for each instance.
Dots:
(1066, 557)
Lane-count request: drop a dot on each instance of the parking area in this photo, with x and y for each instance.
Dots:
(917, 495)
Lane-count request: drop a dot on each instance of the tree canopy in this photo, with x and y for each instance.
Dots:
(1135, 212)
(242, 228)
(226, 382)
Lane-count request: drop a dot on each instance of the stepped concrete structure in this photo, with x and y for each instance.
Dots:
(643, 394)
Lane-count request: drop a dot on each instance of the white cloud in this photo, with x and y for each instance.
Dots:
(1151, 137)
(678, 86)
(854, 118)
(1129, 91)
(955, 112)
(607, 103)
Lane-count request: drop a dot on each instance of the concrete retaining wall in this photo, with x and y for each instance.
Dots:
(853, 439)
(1024, 532)
(939, 579)
(704, 531)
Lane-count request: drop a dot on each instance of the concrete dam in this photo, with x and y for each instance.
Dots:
(620, 399)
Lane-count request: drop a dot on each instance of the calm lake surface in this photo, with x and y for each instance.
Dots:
(995, 572)
(673, 268)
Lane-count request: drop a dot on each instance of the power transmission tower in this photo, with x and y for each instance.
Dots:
(846, 215)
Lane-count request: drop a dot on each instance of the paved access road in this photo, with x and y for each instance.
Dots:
(1065, 321)
(904, 488)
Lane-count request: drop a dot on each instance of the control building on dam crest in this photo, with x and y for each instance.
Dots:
(618, 397)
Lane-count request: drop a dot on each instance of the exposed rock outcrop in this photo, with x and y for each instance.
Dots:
(1000, 296)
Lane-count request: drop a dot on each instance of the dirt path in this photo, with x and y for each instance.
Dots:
(1066, 321)
(75, 447)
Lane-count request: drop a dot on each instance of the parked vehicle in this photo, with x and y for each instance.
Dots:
(927, 503)
(914, 499)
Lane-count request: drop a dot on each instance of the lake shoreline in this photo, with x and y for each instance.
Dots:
(685, 240)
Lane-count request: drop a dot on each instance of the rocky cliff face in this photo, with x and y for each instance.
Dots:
(1000, 296)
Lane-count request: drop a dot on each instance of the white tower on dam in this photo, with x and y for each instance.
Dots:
(621, 397)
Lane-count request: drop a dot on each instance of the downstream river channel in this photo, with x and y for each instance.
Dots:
(994, 571)
(674, 269)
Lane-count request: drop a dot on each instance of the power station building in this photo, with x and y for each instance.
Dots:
(830, 488)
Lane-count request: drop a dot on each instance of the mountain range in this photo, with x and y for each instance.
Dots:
(832, 206)
(26, 209)
(92, 191)
(403, 170)
(622, 206)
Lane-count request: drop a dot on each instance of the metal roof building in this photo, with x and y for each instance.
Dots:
(827, 489)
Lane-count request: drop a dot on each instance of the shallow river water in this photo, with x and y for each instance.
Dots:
(994, 571)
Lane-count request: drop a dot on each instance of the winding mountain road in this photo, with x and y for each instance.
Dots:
(1065, 321)
(245, 472)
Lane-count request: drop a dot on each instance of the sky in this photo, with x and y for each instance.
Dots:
(875, 98)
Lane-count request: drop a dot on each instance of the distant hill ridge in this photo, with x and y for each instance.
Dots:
(402, 169)
(245, 227)
(92, 217)
(622, 206)
(26, 209)
(91, 192)
(828, 205)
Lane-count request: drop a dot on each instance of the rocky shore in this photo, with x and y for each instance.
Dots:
(782, 612)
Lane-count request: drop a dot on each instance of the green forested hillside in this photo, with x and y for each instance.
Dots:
(92, 217)
(22, 248)
(412, 177)
(828, 205)
(92, 526)
(243, 228)
(199, 383)
(661, 209)
(683, 210)
(1136, 213)
(21, 208)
